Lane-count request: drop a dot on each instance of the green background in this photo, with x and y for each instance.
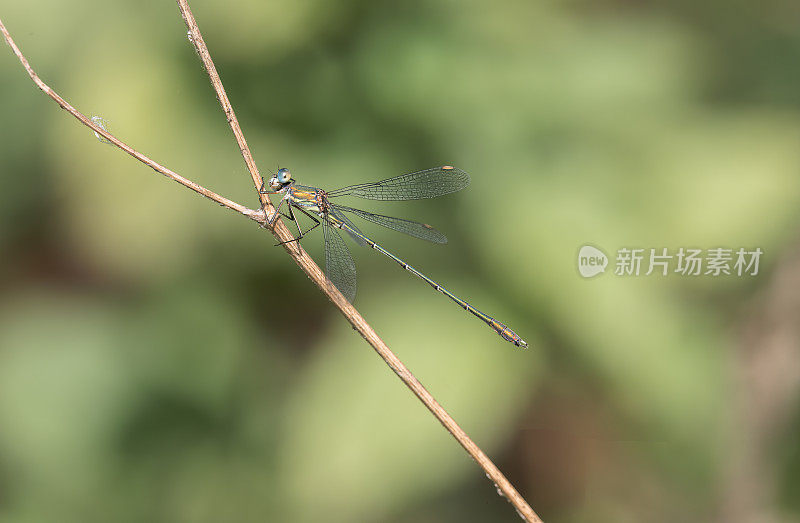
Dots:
(160, 360)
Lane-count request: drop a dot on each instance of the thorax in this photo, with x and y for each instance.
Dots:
(311, 199)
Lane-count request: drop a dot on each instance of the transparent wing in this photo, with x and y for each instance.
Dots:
(335, 211)
(339, 266)
(422, 231)
(429, 183)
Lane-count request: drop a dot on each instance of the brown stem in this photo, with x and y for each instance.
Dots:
(294, 250)
(250, 213)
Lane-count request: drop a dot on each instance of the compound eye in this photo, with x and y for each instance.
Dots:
(284, 175)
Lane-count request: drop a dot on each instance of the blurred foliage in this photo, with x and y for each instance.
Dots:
(161, 361)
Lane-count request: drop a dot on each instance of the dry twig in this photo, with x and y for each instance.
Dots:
(294, 250)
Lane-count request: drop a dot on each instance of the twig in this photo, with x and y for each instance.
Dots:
(250, 213)
(211, 69)
(294, 250)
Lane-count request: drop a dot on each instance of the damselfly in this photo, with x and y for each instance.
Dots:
(339, 267)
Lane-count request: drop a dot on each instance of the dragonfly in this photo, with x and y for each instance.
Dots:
(339, 266)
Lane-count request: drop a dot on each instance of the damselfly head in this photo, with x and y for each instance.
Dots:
(280, 179)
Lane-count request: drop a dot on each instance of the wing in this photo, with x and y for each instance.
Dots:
(336, 212)
(339, 266)
(422, 231)
(429, 183)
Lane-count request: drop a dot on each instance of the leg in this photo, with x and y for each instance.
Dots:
(302, 234)
(297, 223)
(271, 221)
(264, 186)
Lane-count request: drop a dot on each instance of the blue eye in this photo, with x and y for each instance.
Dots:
(284, 175)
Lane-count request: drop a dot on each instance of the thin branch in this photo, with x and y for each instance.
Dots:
(222, 97)
(295, 251)
(225, 202)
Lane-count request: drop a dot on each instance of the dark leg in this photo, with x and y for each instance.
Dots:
(302, 234)
(271, 222)
(293, 217)
(263, 189)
